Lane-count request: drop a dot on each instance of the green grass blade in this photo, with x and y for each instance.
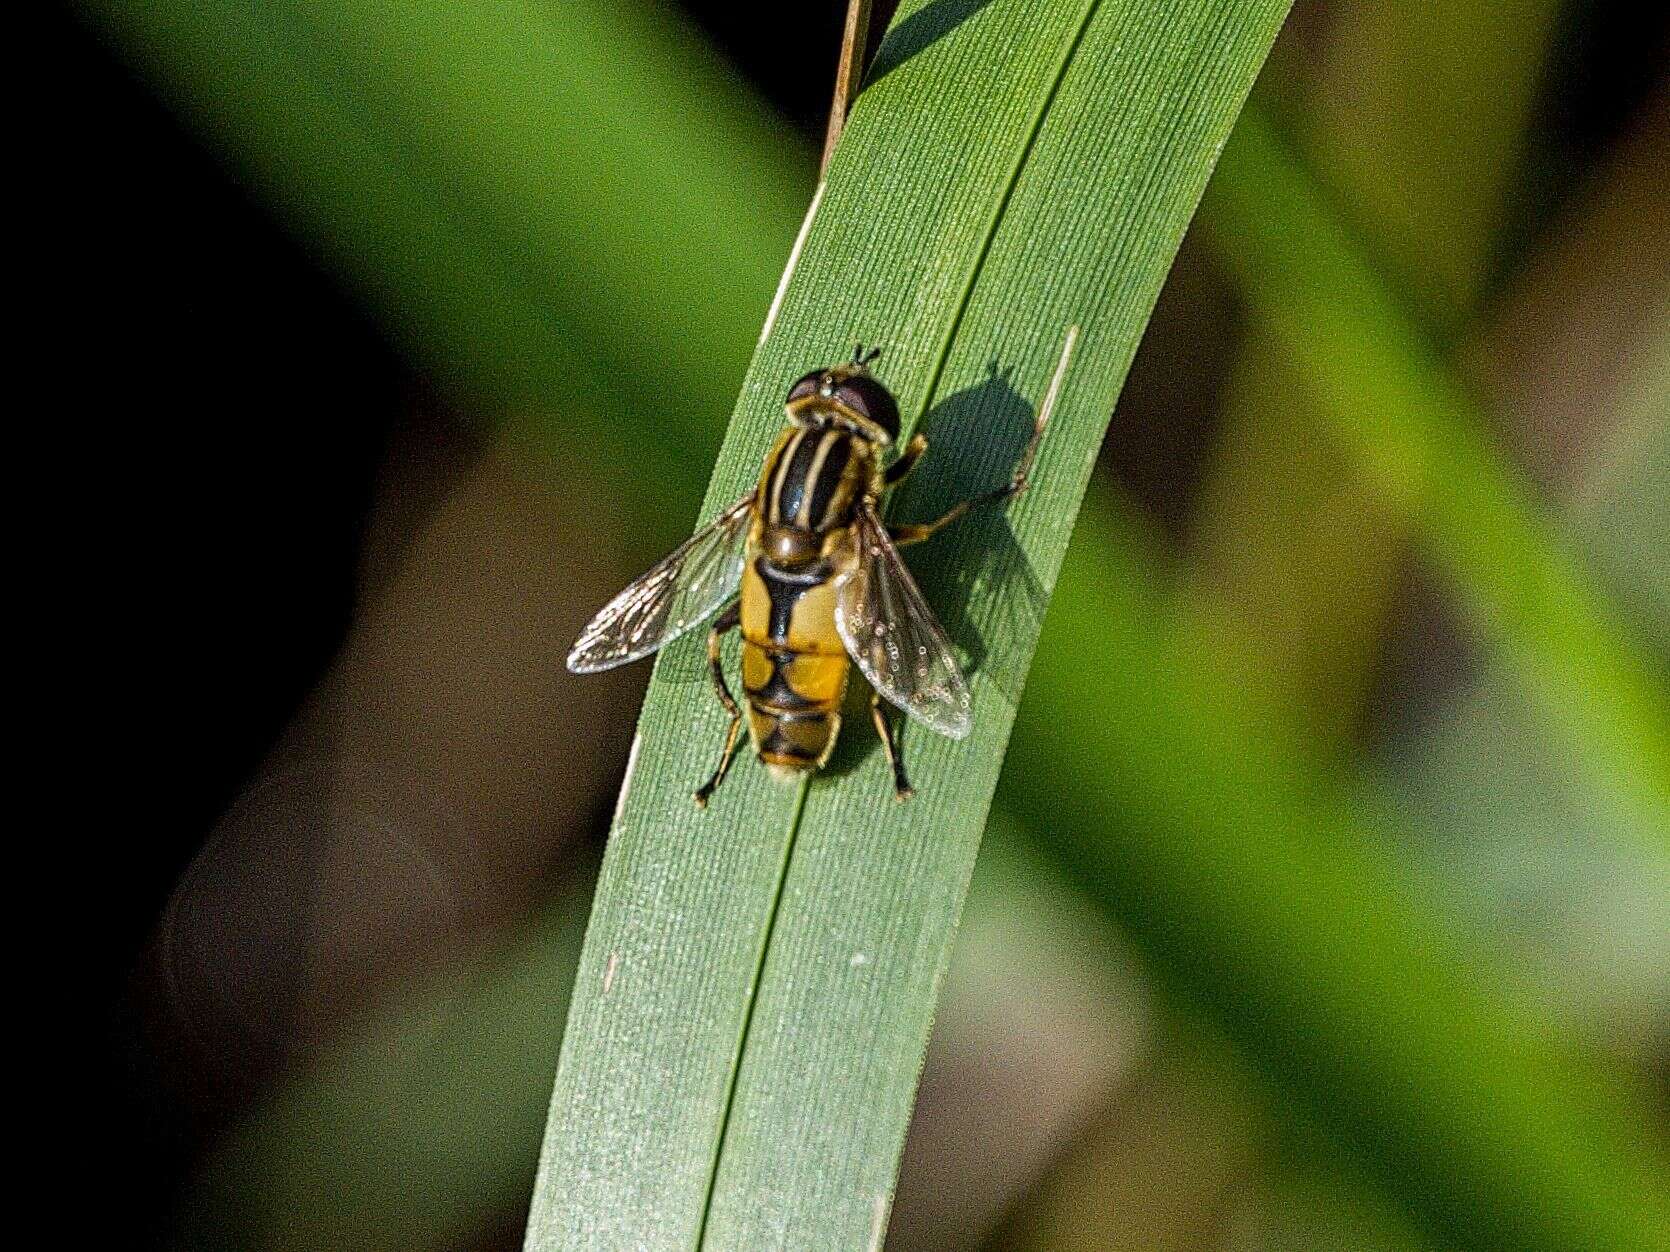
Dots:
(1006, 175)
(1297, 566)
(1576, 883)
(1420, 441)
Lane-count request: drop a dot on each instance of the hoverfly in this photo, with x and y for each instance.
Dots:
(821, 584)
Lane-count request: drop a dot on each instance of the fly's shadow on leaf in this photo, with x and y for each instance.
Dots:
(929, 24)
(975, 568)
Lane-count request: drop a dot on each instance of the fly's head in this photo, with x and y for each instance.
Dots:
(847, 395)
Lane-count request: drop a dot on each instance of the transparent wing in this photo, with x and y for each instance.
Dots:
(680, 592)
(893, 635)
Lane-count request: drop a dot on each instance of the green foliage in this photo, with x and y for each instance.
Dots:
(1266, 888)
(1297, 562)
(1422, 446)
(566, 217)
(400, 1140)
(771, 965)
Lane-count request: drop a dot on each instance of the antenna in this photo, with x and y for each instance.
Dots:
(861, 358)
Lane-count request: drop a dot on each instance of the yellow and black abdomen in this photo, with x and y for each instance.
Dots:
(794, 667)
(794, 703)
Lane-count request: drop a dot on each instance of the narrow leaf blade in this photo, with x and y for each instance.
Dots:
(1011, 169)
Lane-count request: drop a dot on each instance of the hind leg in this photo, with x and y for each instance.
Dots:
(902, 789)
(727, 621)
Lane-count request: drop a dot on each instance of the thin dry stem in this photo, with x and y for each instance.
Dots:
(848, 73)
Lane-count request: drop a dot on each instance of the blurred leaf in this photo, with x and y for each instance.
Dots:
(1419, 115)
(1623, 509)
(1303, 1206)
(1042, 1013)
(1569, 344)
(410, 1136)
(1266, 891)
(758, 980)
(1421, 444)
(1412, 114)
(1577, 883)
(1551, 866)
(1162, 1172)
(564, 210)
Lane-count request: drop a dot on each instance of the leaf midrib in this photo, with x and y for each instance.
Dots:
(941, 355)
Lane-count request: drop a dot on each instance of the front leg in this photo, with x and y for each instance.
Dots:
(903, 535)
(917, 532)
(907, 461)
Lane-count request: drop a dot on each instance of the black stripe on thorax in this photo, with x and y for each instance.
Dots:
(829, 476)
(808, 475)
(770, 505)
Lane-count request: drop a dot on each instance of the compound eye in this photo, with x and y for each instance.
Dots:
(807, 385)
(869, 399)
(856, 397)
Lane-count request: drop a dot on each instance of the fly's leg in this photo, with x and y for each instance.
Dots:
(727, 621)
(903, 535)
(907, 460)
(902, 789)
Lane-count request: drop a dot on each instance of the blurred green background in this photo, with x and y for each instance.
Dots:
(366, 462)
